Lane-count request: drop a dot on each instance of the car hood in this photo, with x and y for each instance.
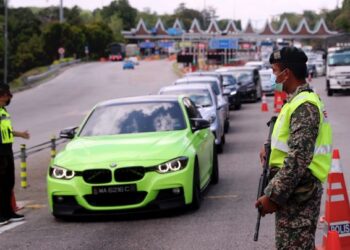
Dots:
(130, 149)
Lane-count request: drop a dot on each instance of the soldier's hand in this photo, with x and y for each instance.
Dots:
(265, 205)
(262, 156)
(25, 134)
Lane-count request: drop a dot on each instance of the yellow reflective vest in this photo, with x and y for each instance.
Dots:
(5, 127)
(321, 161)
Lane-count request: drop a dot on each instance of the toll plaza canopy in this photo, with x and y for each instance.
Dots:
(177, 32)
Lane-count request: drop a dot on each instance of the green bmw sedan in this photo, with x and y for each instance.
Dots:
(134, 154)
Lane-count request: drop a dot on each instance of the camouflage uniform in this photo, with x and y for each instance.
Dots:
(296, 191)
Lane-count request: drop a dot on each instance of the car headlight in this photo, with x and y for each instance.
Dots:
(233, 92)
(172, 166)
(61, 173)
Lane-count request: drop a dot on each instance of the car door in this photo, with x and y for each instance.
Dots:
(200, 141)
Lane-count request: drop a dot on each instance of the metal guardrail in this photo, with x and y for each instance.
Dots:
(52, 69)
(24, 152)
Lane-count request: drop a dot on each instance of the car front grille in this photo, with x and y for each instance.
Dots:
(120, 199)
(97, 176)
(129, 174)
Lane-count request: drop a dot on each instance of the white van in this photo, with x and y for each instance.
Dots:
(338, 70)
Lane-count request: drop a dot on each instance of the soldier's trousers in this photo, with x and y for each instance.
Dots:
(7, 181)
(296, 223)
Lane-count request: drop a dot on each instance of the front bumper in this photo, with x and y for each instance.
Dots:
(336, 84)
(154, 191)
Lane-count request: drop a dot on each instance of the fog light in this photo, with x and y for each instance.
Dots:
(176, 190)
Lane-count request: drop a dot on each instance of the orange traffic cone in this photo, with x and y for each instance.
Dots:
(264, 107)
(333, 241)
(279, 104)
(337, 212)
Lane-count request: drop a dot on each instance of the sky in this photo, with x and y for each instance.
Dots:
(257, 11)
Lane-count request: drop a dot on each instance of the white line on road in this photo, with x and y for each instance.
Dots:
(11, 226)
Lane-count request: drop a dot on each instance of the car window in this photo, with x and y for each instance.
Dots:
(191, 110)
(134, 118)
(200, 97)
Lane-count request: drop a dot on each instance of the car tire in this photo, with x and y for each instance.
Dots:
(329, 92)
(237, 106)
(196, 189)
(215, 173)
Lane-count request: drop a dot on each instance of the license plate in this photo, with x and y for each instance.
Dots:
(114, 189)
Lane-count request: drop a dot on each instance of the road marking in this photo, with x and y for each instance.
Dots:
(11, 226)
(227, 196)
(35, 206)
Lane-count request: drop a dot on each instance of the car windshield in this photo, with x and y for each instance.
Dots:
(243, 75)
(213, 84)
(229, 80)
(339, 59)
(201, 98)
(134, 118)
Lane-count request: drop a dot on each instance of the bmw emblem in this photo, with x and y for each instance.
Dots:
(113, 165)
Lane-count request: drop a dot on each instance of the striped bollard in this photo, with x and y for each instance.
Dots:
(53, 148)
(23, 166)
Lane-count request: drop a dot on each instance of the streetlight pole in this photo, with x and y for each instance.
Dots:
(5, 42)
(61, 11)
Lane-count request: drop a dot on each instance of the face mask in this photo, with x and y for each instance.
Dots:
(276, 85)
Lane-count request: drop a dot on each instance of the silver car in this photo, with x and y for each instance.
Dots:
(203, 96)
(217, 87)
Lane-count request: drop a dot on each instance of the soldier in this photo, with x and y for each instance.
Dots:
(7, 166)
(300, 154)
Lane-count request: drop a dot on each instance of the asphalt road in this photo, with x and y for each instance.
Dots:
(227, 217)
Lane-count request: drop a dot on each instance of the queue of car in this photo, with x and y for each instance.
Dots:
(149, 152)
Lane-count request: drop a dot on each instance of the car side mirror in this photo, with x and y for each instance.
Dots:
(68, 133)
(199, 124)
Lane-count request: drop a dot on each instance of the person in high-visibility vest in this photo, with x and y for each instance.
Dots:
(7, 166)
(300, 159)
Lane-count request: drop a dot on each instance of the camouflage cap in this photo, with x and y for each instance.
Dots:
(288, 55)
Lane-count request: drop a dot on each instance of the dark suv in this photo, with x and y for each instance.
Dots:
(231, 90)
(249, 82)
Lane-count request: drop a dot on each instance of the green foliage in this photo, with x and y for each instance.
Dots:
(30, 54)
(116, 26)
(188, 15)
(124, 11)
(342, 21)
(70, 37)
(98, 36)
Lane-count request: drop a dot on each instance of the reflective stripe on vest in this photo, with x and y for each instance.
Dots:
(321, 160)
(5, 127)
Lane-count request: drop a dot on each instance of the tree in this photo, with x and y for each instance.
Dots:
(342, 21)
(30, 55)
(116, 26)
(123, 9)
(188, 15)
(98, 36)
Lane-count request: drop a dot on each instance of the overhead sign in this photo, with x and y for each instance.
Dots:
(174, 32)
(165, 44)
(147, 45)
(218, 43)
